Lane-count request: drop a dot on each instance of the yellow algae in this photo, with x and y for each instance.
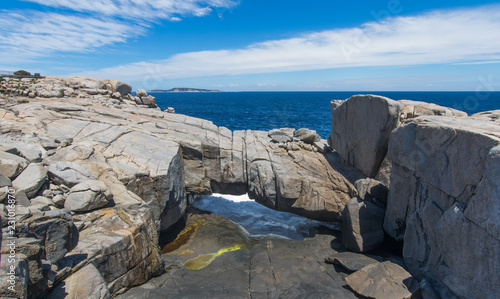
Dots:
(204, 260)
(186, 252)
(183, 237)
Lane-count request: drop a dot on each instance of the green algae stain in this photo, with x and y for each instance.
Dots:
(204, 260)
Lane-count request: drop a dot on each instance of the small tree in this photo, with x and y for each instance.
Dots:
(22, 73)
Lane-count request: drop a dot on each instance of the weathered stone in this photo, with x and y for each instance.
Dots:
(261, 183)
(442, 155)
(34, 251)
(31, 154)
(5, 181)
(281, 135)
(4, 191)
(121, 87)
(149, 101)
(22, 199)
(56, 231)
(384, 280)
(243, 267)
(88, 195)
(412, 109)
(484, 207)
(360, 130)
(86, 283)
(11, 165)
(353, 261)
(373, 191)
(14, 276)
(68, 173)
(31, 179)
(122, 244)
(362, 225)
(59, 200)
(441, 168)
(41, 200)
(307, 136)
(141, 93)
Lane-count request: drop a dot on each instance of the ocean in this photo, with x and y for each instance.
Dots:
(270, 110)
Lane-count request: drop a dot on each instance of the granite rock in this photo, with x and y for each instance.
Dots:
(442, 202)
(353, 261)
(11, 165)
(88, 195)
(384, 280)
(360, 130)
(307, 136)
(31, 179)
(86, 283)
(362, 225)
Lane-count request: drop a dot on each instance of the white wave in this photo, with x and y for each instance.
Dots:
(259, 220)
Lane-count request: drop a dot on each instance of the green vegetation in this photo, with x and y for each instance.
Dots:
(22, 73)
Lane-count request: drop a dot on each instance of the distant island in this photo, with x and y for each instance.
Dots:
(184, 89)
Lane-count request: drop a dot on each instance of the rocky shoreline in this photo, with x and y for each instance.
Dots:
(95, 175)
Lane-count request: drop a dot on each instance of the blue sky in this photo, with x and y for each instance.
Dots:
(258, 45)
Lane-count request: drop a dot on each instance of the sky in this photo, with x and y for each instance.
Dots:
(257, 45)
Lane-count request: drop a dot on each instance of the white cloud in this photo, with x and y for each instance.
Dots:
(141, 9)
(27, 35)
(466, 35)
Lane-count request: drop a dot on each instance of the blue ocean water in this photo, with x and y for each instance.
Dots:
(270, 110)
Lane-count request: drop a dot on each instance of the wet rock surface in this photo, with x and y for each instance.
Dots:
(248, 268)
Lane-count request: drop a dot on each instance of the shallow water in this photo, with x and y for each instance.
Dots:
(259, 220)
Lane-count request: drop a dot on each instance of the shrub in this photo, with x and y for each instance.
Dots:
(22, 73)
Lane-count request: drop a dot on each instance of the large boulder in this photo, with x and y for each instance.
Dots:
(443, 202)
(87, 196)
(307, 136)
(413, 109)
(281, 135)
(121, 87)
(362, 225)
(121, 243)
(384, 280)
(31, 179)
(11, 165)
(86, 283)
(360, 130)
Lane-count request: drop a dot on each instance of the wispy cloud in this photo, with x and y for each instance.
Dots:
(35, 34)
(68, 26)
(142, 9)
(453, 36)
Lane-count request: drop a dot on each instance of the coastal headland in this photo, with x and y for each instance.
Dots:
(91, 177)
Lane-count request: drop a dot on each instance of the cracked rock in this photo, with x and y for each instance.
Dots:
(11, 165)
(31, 179)
(87, 196)
(384, 280)
(68, 173)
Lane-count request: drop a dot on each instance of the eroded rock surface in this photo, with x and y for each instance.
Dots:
(144, 163)
(384, 280)
(443, 202)
(245, 267)
(361, 126)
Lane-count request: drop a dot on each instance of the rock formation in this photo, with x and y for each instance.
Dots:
(443, 202)
(443, 188)
(105, 172)
(95, 174)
